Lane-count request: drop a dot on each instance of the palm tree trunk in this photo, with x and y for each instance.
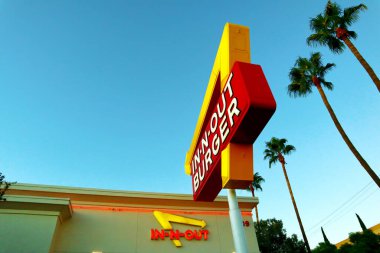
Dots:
(253, 195)
(363, 62)
(296, 209)
(257, 214)
(346, 139)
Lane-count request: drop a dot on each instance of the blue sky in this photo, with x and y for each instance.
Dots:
(106, 94)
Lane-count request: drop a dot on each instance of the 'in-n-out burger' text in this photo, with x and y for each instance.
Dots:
(216, 135)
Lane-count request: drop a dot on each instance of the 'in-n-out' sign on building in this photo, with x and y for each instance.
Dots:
(167, 231)
(237, 106)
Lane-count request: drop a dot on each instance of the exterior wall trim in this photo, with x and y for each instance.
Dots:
(32, 205)
(116, 198)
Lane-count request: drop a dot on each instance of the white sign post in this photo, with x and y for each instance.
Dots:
(237, 223)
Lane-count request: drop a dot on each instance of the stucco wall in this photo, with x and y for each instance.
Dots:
(38, 218)
(116, 232)
(27, 231)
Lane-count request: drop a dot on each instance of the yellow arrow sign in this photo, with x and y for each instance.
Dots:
(165, 220)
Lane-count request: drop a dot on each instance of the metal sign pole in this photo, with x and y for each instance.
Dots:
(236, 223)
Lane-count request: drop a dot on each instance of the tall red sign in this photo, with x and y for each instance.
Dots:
(241, 112)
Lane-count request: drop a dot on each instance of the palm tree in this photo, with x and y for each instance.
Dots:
(275, 151)
(331, 29)
(256, 186)
(311, 72)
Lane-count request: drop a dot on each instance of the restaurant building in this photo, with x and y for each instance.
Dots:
(41, 218)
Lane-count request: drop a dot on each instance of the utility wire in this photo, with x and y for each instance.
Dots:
(354, 205)
(349, 201)
(345, 211)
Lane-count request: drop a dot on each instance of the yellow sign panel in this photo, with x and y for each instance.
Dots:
(234, 46)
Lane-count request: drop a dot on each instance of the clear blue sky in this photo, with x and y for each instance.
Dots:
(106, 94)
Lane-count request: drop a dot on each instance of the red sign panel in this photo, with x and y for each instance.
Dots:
(244, 107)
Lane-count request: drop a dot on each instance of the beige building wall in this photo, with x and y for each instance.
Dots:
(32, 232)
(76, 220)
(29, 224)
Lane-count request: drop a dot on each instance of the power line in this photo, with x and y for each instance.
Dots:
(347, 210)
(344, 205)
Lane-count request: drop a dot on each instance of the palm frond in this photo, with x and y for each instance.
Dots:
(352, 34)
(351, 14)
(273, 145)
(257, 181)
(258, 188)
(334, 44)
(258, 177)
(296, 74)
(299, 89)
(271, 155)
(320, 38)
(332, 9)
(328, 85)
(268, 153)
(303, 64)
(322, 70)
(271, 148)
(288, 149)
(301, 78)
(282, 142)
(319, 23)
(315, 60)
(329, 66)
(273, 160)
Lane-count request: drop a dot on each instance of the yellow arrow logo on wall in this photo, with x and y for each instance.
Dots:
(165, 220)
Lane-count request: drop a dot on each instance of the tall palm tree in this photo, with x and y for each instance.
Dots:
(311, 72)
(256, 186)
(275, 151)
(331, 29)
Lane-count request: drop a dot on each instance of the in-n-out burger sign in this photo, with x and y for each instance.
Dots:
(165, 220)
(242, 110)
(237, 105)
(217, 133)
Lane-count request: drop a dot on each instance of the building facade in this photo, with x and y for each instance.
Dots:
(40, 218)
